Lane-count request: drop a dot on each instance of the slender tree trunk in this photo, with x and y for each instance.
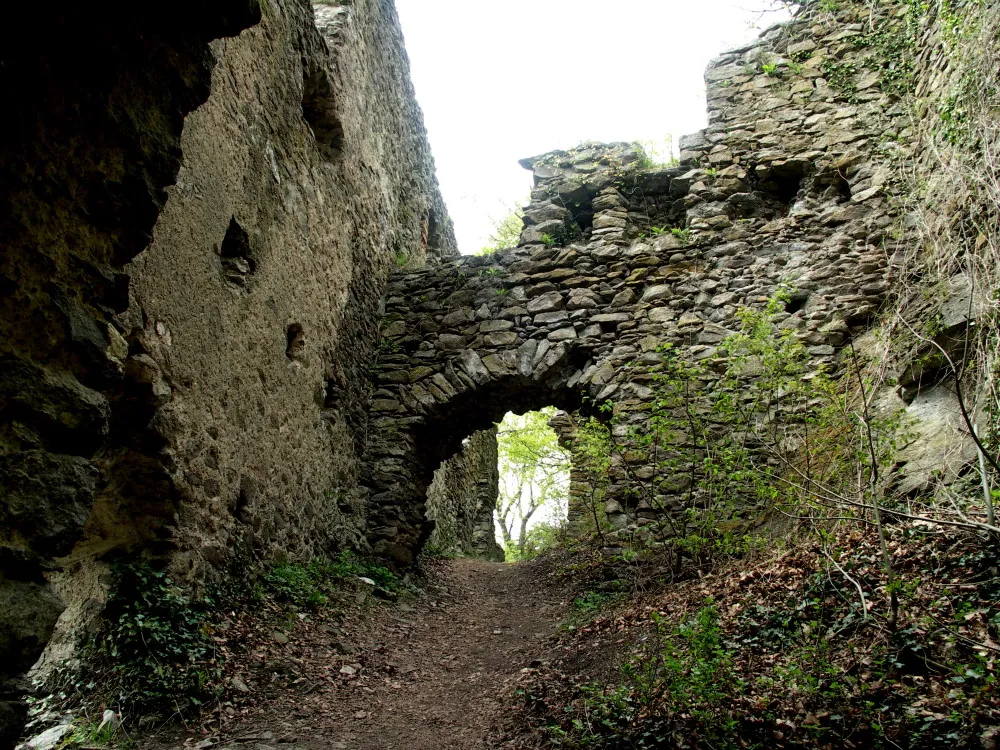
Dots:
(525, 517)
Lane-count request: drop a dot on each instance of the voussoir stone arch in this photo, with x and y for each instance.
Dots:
(452, 368)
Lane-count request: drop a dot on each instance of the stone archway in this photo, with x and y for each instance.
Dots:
(412, 436)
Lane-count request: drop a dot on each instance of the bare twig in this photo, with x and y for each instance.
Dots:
(985, 478)
(861, 593)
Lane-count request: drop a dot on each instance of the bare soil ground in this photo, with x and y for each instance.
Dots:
(425, 674)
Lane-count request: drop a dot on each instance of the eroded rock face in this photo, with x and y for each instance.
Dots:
(199, 205)
(95, 101)
(305, 175)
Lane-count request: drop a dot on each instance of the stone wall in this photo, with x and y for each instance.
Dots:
(542, 325)
(947, 298)
(256, 304)
(462, 498)
(197, 235)
(788, 187)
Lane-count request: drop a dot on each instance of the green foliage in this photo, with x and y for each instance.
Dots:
(506, 231)
(736, 438)
(156, 653)
(658, 154)
(593, 449)
(682, 675)
(956, 119)
(156, 650)
(683, 234)
(540, 537)
(841, 76)
(534, 477)
(591, 602)
(893, 43)
(299, 584)
(548, 240)
(688, 662)
(697, 427)
(798, 654)
(770, 69)
(348, 565)
(90, 734)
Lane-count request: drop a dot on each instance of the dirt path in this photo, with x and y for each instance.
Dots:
(427, 675)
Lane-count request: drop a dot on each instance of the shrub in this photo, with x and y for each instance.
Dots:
(683, 678)
(155, 650)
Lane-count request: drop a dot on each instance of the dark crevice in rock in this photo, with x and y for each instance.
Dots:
(796, 303)
(786, 182)
(238, 263)
(320, 111)
(295, 341)
(832, 185)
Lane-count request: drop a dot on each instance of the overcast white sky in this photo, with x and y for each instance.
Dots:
(499, 81)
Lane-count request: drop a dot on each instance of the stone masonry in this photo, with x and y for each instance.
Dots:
(786, 188)
(209, 356)
(461, 500)
(199, 205)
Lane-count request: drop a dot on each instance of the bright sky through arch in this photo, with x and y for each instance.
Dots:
(499, 81)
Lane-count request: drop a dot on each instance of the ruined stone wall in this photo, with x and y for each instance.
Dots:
(304, 176)
(461, 500)
(948, 177)
(793, 185)
(196, 237)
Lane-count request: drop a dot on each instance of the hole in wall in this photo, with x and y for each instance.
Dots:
(319, 111)
(784, 182)
(833, 186)
(582, 214)
(796, 303)
(295, 341)
(238, 264)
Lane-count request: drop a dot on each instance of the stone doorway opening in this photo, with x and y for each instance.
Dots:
(436, 477)
(505, 494)
(534, 465)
